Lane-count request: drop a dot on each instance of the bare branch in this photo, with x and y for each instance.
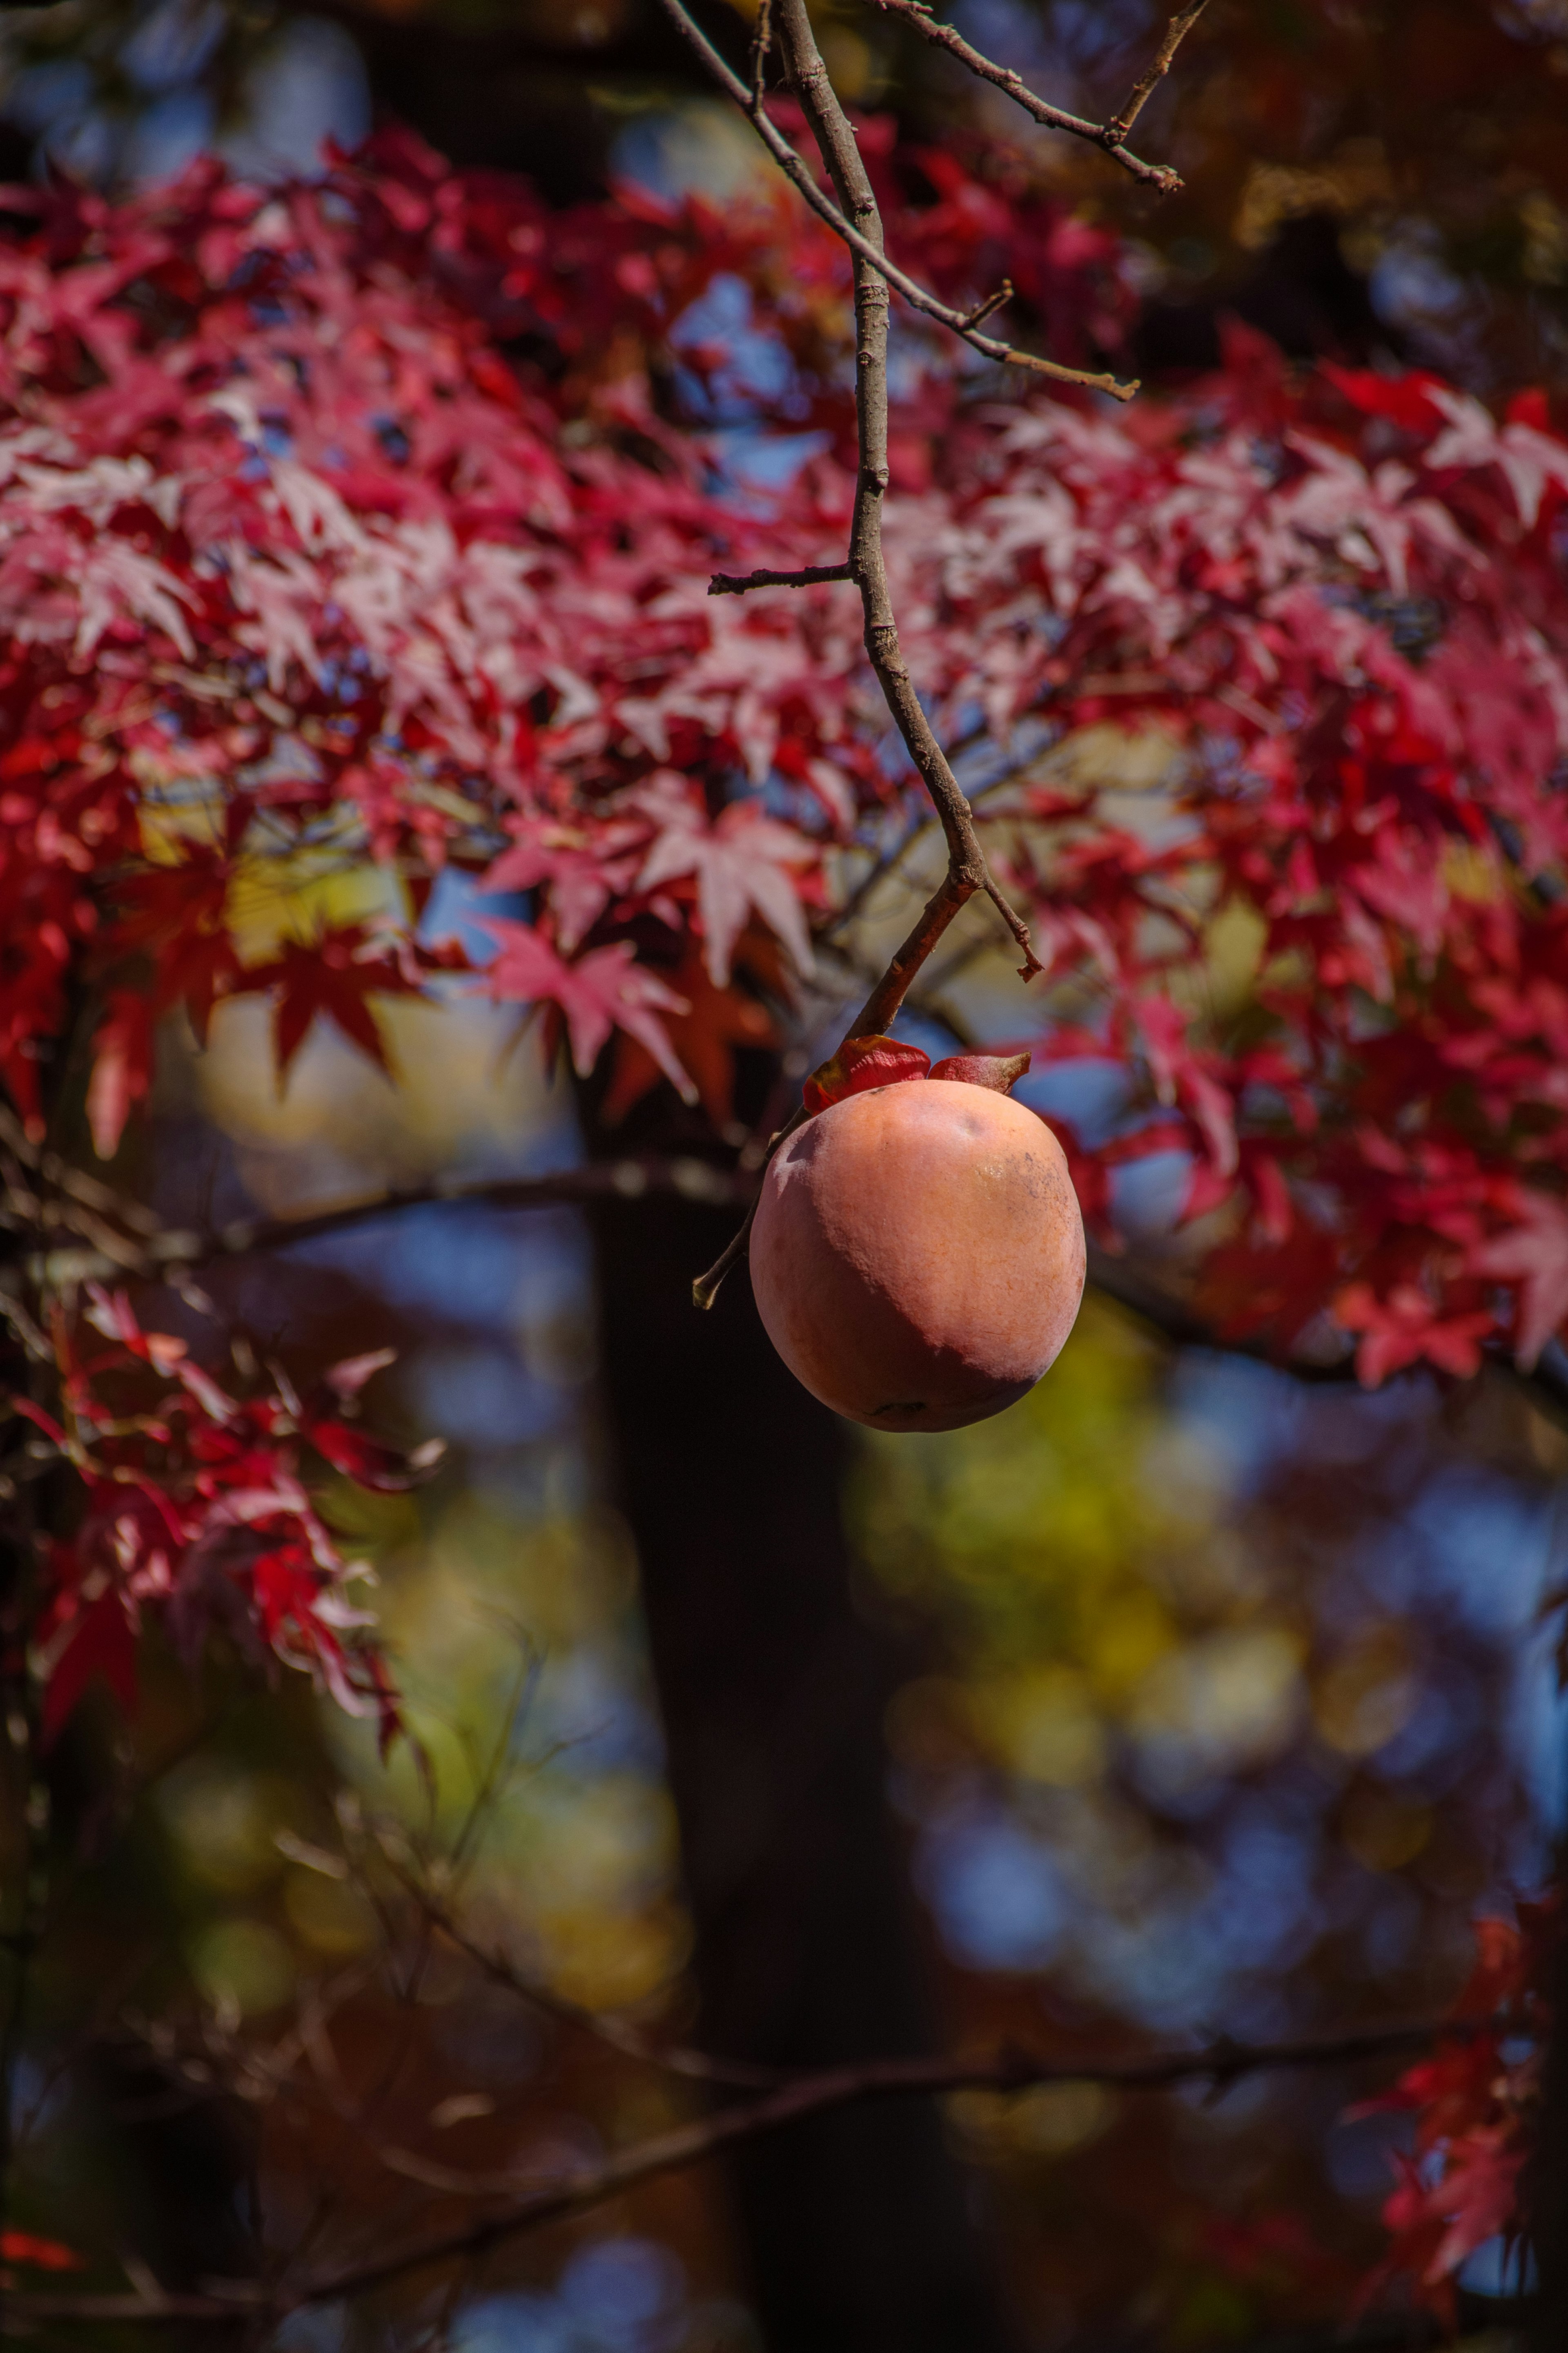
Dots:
(762, 37)
(1108, 135)
(813, 575)
(1176, 32)
(865, 251)
(632, 2041)
(967, 870)
(1176, 1320)
(1224, 2062)
(1155, 1302)
(180, 1249)
(856, 219)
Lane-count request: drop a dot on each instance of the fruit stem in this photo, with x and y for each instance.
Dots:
(705, 1290)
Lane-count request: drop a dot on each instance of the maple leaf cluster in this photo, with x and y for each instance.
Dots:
(294, 570)
(299, 576)
(1342, 603)
(193, 1501)
(302, 573)
(1473, 2103)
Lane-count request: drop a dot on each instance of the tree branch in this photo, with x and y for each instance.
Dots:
(813, 576)
(154, 1254)
(1110, 136)
(1224, 2062)
(918, 296)
(1546, 1381)
(859, 221)
(855, 217)
(619, 2033)
(164, 1254)
(1176, 32)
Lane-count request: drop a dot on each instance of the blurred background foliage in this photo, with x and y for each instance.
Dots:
(1222, 1701)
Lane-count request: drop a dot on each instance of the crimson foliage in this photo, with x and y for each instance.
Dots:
(369, 522)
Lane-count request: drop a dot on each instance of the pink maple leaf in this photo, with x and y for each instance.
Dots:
(1534, 1255)
(605, 990)
(740, 860)
(584, 869)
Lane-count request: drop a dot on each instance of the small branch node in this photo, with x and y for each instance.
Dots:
(993, 302)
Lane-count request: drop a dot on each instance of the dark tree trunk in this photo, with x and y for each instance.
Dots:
(773, 1689)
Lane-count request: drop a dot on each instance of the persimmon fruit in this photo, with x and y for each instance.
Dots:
(918, 1253)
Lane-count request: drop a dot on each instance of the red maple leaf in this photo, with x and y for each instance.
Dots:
(742, 863)
(100, 1641)
(1404, 1327)
(122, 1067)
(1533, 1254)
(332, 976)
(601, 991)
(704, 1039)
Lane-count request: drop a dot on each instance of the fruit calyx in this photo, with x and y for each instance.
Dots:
(862, 1063)
(1000, 1072)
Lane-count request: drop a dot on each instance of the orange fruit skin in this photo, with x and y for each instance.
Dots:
(918, 1254)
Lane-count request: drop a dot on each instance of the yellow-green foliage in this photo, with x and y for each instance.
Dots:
(1072, 1553)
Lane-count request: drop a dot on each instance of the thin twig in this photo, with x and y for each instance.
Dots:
(918, 296)
(619, 2033)
(883, 864)
(1054, 117)
(993, 302)
(1224, 2062)
(813, 575)
(761, 39)
(1176, 31)
(705, 1288)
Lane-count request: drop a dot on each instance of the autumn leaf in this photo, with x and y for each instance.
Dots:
(704, 1039)
(1534, 1255)
(102, 1643)
(121, 1068)
(332, 976)
(604, 990)
(43, 2254)
(742, 863)
(1405, 1327)
(585, 867)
